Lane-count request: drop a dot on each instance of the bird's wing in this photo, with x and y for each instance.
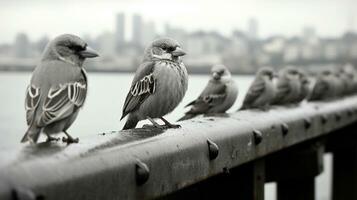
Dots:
(319, 89)
(143, 86)
(31, 102)
(283, 88)
(255, 90)
(214, 94)
(62, 100)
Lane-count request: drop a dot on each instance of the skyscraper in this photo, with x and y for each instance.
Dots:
(22, 46)
(137, 30)
(120, 31)
(253, 29)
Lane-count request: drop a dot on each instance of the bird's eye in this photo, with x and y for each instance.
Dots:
(77, 48)
(171, 49)
(164, 48)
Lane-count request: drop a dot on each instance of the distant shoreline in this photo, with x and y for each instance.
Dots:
(190, 71)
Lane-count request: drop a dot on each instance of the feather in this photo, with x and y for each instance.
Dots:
(142, 86)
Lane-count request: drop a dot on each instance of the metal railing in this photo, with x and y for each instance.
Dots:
(211, 157)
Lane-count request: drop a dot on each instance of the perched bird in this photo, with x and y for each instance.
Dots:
(287, 86)
(261, 93)
(304, 87)
(324, 87)
(57, 89)
(159, 85)
(347, 75)
(218, 96)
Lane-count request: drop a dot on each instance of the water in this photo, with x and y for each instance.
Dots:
(103, 108)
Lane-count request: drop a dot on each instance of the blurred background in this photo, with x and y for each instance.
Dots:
(244, 35)
(241, 34)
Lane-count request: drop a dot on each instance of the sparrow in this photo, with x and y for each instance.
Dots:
(218, 96)
(287, 86)
(347, 75)
(304, 87)
(159, 84)
(324, 87)
(57, 89)
(261, 92)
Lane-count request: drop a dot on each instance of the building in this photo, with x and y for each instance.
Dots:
(137, 30)
(119, 31)
(22, 46)
(252, 29)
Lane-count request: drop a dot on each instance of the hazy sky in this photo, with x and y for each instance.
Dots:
(287, 17)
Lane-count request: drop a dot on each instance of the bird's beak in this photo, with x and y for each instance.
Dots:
(89, 53)
(216, 76)
(178, 52)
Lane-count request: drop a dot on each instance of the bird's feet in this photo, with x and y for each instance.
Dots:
(172, 126)
(168, 124)
(70, 140)
(50, 139)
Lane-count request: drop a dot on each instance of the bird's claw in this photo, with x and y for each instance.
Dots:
(70, 140)
(50, 139)
(173, 126)
(161, 127)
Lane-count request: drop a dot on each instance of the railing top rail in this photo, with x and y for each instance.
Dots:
(147, 163)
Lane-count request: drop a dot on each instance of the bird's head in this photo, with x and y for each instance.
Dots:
(266, 72)
(292, 72)
(326, 72)
(164, 49)
(68, 48)
(220, 73)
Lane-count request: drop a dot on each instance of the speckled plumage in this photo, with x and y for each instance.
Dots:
(261, 93)
(58, 88)
(218, 96)
(170, 83)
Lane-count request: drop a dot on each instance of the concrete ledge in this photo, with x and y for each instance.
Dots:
(148, 163)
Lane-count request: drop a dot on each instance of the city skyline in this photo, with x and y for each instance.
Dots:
(93, 18)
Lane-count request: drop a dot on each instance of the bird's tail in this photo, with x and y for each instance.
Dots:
(187, 116)
(32, 134)
(131, 122)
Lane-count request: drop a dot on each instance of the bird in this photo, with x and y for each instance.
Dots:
(261, 92)
(159, 84)
(304, 87)
(287, 86)
(57, 89)
(324, 87)
(218, 96)
(346, 74)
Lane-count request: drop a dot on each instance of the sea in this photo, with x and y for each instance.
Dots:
(102, 112)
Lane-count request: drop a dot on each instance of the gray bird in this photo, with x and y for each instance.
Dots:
(261, 93)
(287, 86)
(346, 74)
(304, 87)
(324, 87)
(57, 89)
(159, 84)
(218, 96)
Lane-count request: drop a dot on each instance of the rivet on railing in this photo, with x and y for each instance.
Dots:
(349, 113)
(307, 123)
(337, 117)
(284, 129)
(258, 137)
(323, 119)
(213, 149)
(142, 172)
